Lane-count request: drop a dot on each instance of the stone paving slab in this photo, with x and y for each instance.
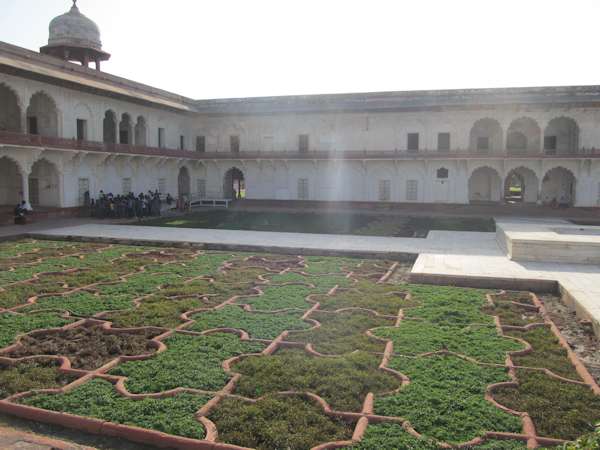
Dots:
(11, 439)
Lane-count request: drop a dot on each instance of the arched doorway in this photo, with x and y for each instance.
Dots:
(42, 115)
(125, 127)
(44, 184)
(485, 136)
(109, 128)
(10, 112)
(558, 187)
(140, 132)
(11, 183)
(234, 185)
(485, 186)
(523, 136)
(561, 136)
(183, 183)
(521, 186)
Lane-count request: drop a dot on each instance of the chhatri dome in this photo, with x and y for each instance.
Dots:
(74, 37)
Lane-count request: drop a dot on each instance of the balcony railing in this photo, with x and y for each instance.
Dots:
(21, 139)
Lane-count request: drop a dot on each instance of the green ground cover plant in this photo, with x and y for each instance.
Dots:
(277, 422)
(29, 375)
(559, 410)
(12, 325)
(343, 382)
(327, 264)
(322, 283)
(514, 315)
(257, 325)
(481, 342)
(157, 312)
(445, 399)
(81, 303)
(448, 306)
(547, 352)
(137, 285)
(280, 297)
(342, 332)
(99, 399)
(189, 361)
(385, 299)
(86, 347)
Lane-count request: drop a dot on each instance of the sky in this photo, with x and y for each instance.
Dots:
(245, 48)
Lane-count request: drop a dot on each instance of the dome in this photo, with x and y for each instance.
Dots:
(73, 29)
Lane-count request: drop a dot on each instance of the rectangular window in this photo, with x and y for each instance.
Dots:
(550, 143)
(443, 142)
(483, 144)
(84, 186)
(385, 190)
(201, 144)
(32, 125)
(162, 185)
(161, 138)
(303, 189)
(126, 186)
(412, 190)
(303, 143)
(81, 130)
(182, 142)
(412, 142)
(201, 187)
(234, 144)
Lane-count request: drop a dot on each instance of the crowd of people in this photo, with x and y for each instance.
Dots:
(127, 206)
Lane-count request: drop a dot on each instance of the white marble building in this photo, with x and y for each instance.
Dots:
(66, 128)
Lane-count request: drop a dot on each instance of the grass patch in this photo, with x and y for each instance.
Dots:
(86, 347)
(343, 382)
(511, 314)
(290, 423)
(155, 312)
(445, 399)
(384, 298)
(190, 361)
(342, 332)
(257, 325)
(280, 297)
(559, 410)
(547, 352)
(98, 399)
(29, 375)
(12, 325)
(84, 304)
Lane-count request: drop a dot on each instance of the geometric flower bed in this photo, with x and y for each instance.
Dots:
(199, 349)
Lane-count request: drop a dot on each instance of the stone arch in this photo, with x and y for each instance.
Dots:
(184, 184)
(44, 187)
(559, 187)
(11, 182)
(42, 115)
(125, 130)
(561, 136)
(109, 127)
(521, 185)
(10, 109)
(523, 136)
(141, 133)
(486, 136)
(234, 184)
(485, 185)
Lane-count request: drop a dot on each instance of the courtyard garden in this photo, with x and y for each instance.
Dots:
(324, 223)
(181, 347)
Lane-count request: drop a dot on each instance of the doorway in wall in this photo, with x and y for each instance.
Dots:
(234, 184)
